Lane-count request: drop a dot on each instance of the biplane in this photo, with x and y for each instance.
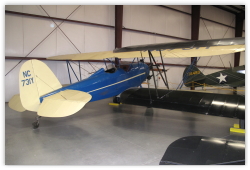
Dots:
(233, 77)
(41, 92)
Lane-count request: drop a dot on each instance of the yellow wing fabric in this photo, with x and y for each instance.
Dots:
(198, 48)
(64, 103)
(16, 104)
(85, 56)
(35, 80)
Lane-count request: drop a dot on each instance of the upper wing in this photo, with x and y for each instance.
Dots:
(196, 45)
(197, 48)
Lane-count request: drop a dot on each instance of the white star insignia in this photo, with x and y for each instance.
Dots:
(222, 78)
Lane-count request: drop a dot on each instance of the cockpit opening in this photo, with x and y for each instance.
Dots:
(111, 70)
(125, 67)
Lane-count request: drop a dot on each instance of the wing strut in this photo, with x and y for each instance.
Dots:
(157, 66)
(164, 70)
(80, 73)
(149, 90)
(68, 71)
(151, 67)
(80, 70)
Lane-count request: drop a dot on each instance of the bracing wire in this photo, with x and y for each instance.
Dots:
(66, 36)
(41, 41)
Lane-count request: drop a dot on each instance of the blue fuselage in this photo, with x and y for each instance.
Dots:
(103, 84)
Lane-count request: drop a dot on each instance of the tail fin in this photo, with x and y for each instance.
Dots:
(192, 74)
(35, 80)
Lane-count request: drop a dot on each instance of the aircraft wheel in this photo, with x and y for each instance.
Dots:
(35, 125)
(116, 100)
(242, 123)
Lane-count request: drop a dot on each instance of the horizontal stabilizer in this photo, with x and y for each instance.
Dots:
(64, 85)
(16, 104)
(240, 83)
(64, 103)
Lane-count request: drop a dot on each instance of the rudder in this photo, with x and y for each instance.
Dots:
(35, 80)
(192, 74)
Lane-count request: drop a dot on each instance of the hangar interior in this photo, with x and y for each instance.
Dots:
(103, 134)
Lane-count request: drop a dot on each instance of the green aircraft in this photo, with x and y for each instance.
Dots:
(233, 77)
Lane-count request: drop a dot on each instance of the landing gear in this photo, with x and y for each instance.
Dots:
(36, 123)
(242, 123)
(116, 100)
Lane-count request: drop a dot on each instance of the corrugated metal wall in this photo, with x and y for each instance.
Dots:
(24, 33)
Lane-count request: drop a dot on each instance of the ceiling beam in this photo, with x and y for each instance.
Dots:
(174, 9)
(234, 7)
(225, 9)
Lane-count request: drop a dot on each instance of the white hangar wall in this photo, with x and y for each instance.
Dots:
(23, 33)
(212, 30)
(159, 20)
(165, 21)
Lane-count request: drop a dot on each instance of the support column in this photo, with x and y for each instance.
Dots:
(118, 25)
(195, 25)
(238, 33)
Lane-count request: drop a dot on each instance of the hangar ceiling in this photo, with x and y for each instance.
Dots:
(235, 9)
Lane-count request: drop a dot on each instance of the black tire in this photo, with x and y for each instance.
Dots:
(242, 123)
(35, 125)
(116, 100)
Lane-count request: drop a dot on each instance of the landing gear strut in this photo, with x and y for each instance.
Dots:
(36, 123)
(116, 100)
(242, 123)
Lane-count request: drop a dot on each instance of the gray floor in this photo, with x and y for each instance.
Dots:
(101, 134)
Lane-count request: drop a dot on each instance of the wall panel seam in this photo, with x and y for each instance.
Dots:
(200, 17)
(55, 18)
(39, 16)
(154, 33)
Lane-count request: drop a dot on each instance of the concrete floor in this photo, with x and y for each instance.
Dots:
(101, 134)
